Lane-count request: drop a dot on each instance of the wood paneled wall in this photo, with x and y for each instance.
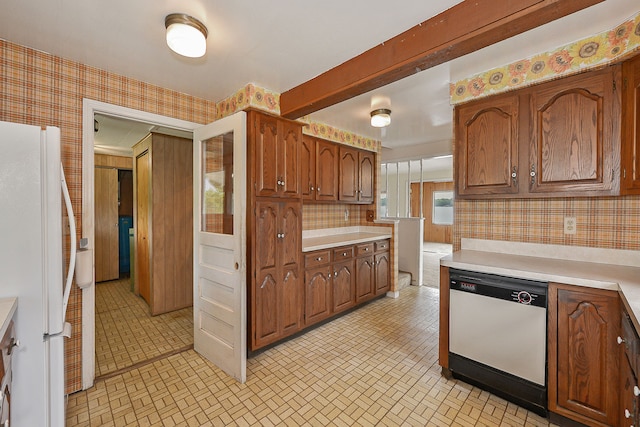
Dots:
(432, 232)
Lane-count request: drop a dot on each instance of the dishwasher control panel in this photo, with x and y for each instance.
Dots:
(521, 291)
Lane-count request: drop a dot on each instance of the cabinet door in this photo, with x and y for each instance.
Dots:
(574, 135)
(289, 234)
(290, 297)
(266, 155)
(317, 294)
(289, 159)
(348, 191)
(583, 354)
(308, 168)
(364, 278)
(382, 276)
(366, 172)
(631, 126)
(265, 289)
(326, 171)
(486, 139)
(344, 281)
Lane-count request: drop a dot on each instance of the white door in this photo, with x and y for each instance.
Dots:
(220, 288)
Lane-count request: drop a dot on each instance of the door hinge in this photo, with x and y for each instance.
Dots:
(625, 82)
(624, 173)
(614, 85)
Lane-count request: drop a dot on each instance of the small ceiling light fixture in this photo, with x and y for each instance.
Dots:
(186, 35)
(380, 117)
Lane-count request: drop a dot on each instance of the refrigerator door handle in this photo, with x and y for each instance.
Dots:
(72, 234)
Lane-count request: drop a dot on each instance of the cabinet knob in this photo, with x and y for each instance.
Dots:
(335, 274)
(344, 254)
(627, 414)
(366, 249)
(620, 340)
(319, 258)
(312, 188)
(318, 189)
(636, 391)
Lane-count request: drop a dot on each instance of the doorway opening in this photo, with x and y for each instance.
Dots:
(419, 195)
(118, 330)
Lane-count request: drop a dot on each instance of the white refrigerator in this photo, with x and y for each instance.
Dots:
(32, 268)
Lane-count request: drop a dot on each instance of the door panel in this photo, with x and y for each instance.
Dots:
(143, 235)
(344, 281)
(327, 171)
(220, 293)
(290, 230)
(106, 228)
(290, 157)
(266, 155)
(366, 172)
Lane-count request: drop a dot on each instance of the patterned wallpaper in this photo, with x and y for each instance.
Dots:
(602, 222)
(269, 101)
(600, 49)
(41, 89)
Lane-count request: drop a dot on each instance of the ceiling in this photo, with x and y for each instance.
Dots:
(279, 45)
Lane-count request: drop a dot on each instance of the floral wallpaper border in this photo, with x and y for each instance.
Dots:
(569, 59)
(269, 101)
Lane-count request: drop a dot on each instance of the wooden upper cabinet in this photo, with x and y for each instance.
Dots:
(357, 170)
(487, 146)
(348, 174)
(326, 170)
(575, 129)
(554, 139)
(366, 171)
(630, 170)
(308, 168)
(275, 144)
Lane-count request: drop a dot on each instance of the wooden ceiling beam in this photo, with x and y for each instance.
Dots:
(462, 29)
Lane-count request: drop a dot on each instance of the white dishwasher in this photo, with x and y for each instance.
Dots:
(498, 335)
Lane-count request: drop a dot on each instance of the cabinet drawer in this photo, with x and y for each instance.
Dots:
(364, 249)
(343, 253)
(382, 245)
(317, 258)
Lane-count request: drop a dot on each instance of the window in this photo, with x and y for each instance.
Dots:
(442, 207)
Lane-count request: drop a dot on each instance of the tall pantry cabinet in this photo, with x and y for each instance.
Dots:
(163, 203)
(274, 229)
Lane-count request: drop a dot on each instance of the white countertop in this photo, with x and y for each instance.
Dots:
(550, 264)
(7, 309)
(313, 240)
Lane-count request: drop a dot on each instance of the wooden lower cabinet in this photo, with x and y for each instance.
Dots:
(318, 283)
(337, 279)
(364, 278)
(382, 273)
(584, 324)
(276, 294)
(344, 280)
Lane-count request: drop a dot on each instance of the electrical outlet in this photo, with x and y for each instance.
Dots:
(570, 225)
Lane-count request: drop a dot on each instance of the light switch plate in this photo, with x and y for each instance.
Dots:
(570, 225)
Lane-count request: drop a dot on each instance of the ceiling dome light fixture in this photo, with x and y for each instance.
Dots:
(380, 117)
(186, 35)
